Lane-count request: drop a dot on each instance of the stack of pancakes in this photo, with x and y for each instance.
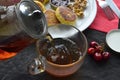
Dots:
(62, 15)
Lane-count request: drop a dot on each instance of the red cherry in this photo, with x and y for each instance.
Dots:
(106, 55)
(94, 44)
(91, 51)
(99, 49)
(98, 56)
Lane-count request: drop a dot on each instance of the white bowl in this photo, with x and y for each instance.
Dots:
(113, 40)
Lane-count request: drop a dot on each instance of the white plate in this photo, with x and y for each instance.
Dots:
(89, 15)
(113, 40)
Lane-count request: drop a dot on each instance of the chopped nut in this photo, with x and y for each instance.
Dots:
(78, 7)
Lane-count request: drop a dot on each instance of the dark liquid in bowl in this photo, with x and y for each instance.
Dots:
(61, 51)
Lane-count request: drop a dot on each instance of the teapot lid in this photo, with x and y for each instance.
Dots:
(32, 19)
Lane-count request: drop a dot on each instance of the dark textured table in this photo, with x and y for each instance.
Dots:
(16, 67)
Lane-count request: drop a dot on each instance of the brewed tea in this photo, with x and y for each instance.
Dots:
(61, 51)
(13, 44)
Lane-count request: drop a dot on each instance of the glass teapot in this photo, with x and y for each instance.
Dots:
(20, 25)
